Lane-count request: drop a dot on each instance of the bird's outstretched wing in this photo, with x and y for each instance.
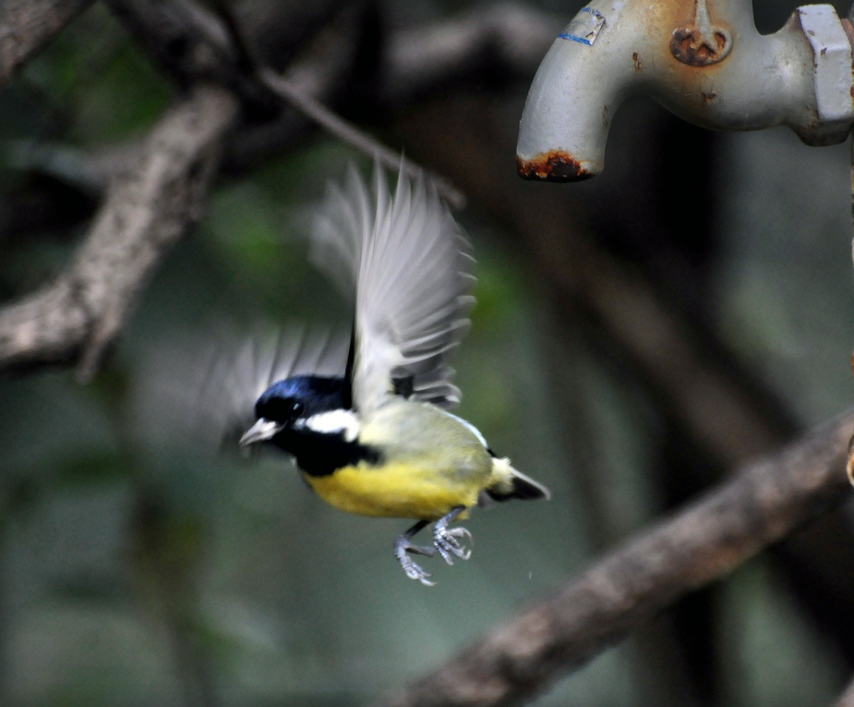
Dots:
(202, 395)
(407, 262)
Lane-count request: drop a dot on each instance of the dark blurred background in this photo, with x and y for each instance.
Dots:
(133, 572)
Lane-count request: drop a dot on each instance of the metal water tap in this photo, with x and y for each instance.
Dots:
(702, 59)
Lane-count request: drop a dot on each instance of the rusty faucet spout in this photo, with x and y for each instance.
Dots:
(702, 59)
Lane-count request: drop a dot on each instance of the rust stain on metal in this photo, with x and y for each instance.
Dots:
(700, 42)
(689, 47)
(552, 166)
(708, 97)
(637, 61)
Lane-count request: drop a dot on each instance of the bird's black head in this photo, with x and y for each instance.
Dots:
(292, 399)
(299, 397)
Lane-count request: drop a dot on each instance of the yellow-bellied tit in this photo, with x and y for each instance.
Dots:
(378, 440)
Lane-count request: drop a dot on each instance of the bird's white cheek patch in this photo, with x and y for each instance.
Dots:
(335, 422)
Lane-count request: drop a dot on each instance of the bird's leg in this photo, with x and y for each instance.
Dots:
(403, 545)
(447, 540)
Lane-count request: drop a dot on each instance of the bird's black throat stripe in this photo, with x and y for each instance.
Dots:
(323, 453)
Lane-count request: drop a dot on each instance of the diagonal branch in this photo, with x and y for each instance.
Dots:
(349, 134)
(146, 210)
(27, 27)
(705, 541)
(211, 50)
(721, 411)
(847, 698)
(419, 60)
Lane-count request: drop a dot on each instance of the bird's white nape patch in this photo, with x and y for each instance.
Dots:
(335, 422)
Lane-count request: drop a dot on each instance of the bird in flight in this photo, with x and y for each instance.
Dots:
(377, 438)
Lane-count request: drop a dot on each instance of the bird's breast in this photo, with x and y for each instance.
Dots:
(395, 490)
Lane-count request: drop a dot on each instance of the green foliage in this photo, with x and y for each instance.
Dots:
(98, 87)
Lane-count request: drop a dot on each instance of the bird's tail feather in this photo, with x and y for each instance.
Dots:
(511, 484)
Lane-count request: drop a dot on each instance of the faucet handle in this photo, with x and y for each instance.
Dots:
(701, 43)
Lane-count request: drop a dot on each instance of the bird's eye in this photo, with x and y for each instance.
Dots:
(278, 409)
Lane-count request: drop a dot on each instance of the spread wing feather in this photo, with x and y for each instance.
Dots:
(406, 261)
(202, 394)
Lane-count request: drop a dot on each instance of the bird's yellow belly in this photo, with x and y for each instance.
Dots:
(394, 491)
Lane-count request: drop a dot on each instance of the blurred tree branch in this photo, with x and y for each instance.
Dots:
(508, 39)
(146, 210)
(27, 27)
(68, 322)
(720, 409)
(847, 699)
(495, 43)
(148, 206)
(213, 48)
(710, 538)
(190, 44)
(351, 135)
(503, 39)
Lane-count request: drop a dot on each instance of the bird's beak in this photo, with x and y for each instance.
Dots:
(259, 432)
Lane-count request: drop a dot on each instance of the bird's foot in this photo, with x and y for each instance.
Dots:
(448, 541)
(402, 546)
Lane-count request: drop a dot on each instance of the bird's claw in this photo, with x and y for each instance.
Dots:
(413, 570)
(448, 542)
